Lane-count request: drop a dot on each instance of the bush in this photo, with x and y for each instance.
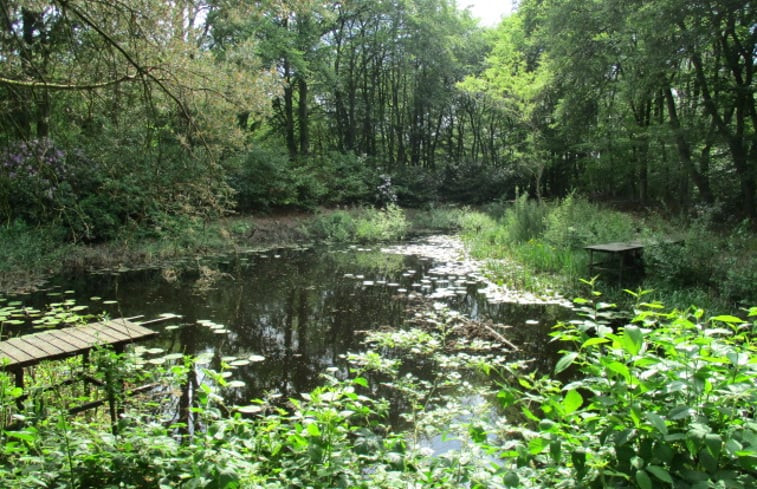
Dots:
(381, 224)
(416, 186)
(335, 179)
(338, 226)
(474, 183)
(262, 179)
(440, 218)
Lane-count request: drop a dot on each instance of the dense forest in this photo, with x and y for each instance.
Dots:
(131, 114)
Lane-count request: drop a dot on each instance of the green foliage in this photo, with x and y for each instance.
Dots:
(266, 178)
(525, 220)
(440, 218)
(546, 257)
(663, 399)
(364, 224)
(385, 224)
(26, 250)
(641, 399)
(723, 261)
(337, 226)
(262, 179)
(575, 222)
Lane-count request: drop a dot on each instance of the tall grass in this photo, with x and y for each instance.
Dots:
(686, 259)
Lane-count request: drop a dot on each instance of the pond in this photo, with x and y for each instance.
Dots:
(283, 317)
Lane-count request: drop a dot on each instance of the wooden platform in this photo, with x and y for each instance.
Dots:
(613, 257)
(27, 350)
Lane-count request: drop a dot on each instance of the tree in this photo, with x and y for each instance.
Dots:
(132, 86)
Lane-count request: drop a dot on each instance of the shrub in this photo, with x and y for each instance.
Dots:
(337, 226)
(262, 179)
(381, 224)
(416, 186)
(437, 217)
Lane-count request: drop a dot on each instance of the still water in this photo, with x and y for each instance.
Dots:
(283, 317)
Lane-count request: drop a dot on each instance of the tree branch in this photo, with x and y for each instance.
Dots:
(63, 86)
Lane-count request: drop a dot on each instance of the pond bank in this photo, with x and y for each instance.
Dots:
(223, 236)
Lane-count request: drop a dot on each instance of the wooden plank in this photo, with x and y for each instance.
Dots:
(12, 354)
(102, 334)
(122, 333)
(54, 344)
(59, 340)
(82, 339)
(615, 247)
(40, 342)
(131, 331)
(27, 348)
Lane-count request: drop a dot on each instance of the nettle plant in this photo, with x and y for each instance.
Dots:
(666, 399)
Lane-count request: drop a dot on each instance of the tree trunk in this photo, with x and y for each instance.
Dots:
(684, 151)
(302, 115)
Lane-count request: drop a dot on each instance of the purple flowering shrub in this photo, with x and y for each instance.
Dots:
(41, 183)
(33, 178)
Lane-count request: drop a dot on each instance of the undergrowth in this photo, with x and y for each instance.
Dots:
(644, 398)
(685, 262)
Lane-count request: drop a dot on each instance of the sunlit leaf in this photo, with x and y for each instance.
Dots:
(537, 445)
(572, 401)
(250, 409)
(726, 318)
(632, 339)
(313, 429)
(565, 362)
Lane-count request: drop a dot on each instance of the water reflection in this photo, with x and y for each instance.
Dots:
(300, 310)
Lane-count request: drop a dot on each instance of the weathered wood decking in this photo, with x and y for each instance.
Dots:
(622, 252)
(29, 350)
(25, 351)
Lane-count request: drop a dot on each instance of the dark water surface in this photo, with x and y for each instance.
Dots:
(293, 312)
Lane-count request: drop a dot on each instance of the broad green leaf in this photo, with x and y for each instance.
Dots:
(537, 445)
(658, 422)
(619, 368)
(313, 430)
(525, 383)
(594, 341)
(727, 318)
(660, 473)
(643, 480)
(714, 443)
(22, 435)
(572, 402)
(632, 339)
(565, 362)
(529, 414)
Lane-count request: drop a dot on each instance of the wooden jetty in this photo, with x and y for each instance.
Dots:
(614, 257)
(31, 349)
